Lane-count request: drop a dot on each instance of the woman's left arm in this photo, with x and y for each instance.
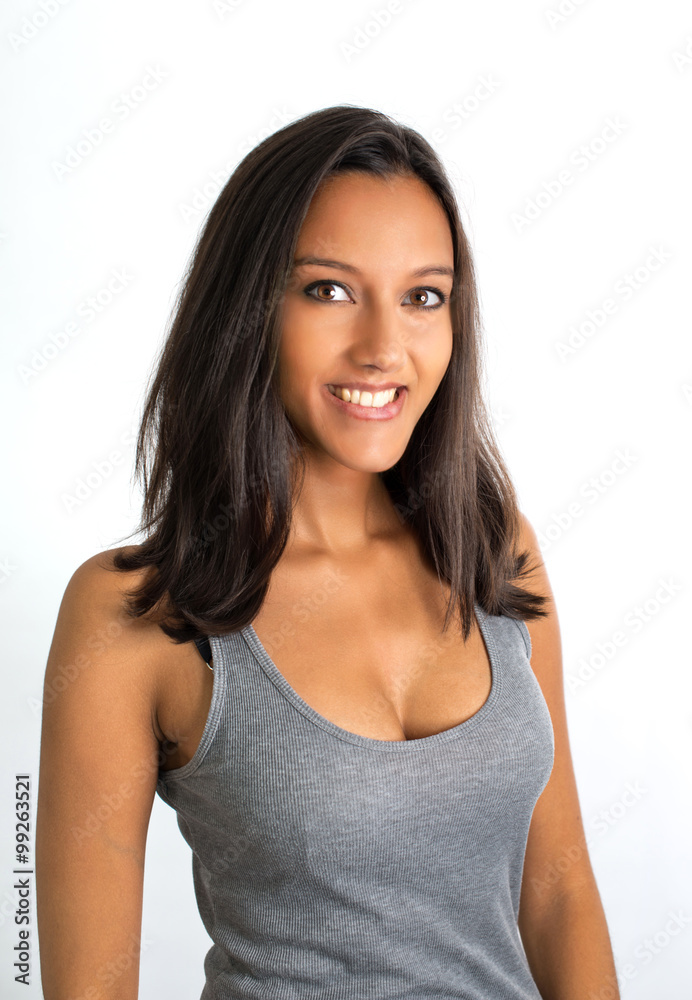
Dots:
(561, 919)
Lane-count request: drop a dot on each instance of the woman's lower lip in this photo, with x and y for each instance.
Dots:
(369, 412)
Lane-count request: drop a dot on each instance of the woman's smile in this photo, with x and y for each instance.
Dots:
(366, 405)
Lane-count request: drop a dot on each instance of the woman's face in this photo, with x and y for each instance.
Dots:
(370, 311)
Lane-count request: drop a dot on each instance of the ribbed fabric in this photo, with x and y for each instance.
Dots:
(330, 865)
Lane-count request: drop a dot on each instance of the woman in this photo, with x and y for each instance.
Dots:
(376, 749)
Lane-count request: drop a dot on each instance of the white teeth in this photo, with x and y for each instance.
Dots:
(364, 398)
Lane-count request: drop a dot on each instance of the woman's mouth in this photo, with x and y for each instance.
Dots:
(363, 405)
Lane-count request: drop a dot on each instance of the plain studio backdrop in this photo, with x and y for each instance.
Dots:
(565, 127)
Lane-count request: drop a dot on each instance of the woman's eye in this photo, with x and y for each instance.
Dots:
(320, 286)
(422, 297)
(328, 291)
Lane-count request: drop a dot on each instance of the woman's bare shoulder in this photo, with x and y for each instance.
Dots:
(100, 572)
(97, 588)
(94, 622)
(117, 658)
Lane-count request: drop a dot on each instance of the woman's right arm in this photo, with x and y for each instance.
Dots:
(97, 779)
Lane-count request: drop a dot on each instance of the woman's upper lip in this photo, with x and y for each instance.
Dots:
(367, 386)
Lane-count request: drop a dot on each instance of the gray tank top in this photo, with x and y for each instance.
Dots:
(331, 865)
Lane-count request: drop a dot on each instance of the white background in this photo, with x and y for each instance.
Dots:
(532, 87)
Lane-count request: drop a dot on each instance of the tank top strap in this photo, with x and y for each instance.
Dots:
(204, 647)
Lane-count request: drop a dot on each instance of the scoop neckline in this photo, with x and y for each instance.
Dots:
(393, 746)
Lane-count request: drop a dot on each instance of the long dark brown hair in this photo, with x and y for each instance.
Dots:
(216, 452)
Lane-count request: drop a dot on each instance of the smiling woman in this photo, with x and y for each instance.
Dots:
(374, 776)
(334, 313)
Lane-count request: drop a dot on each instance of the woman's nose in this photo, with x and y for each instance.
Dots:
(381, 326)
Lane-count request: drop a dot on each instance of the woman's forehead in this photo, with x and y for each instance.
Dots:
(365, 216)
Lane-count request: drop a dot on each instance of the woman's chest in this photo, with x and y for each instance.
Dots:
(362, 646)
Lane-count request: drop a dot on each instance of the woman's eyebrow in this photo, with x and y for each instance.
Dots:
(418, 273)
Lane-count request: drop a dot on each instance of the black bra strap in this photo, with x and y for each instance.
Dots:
(204, 646)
